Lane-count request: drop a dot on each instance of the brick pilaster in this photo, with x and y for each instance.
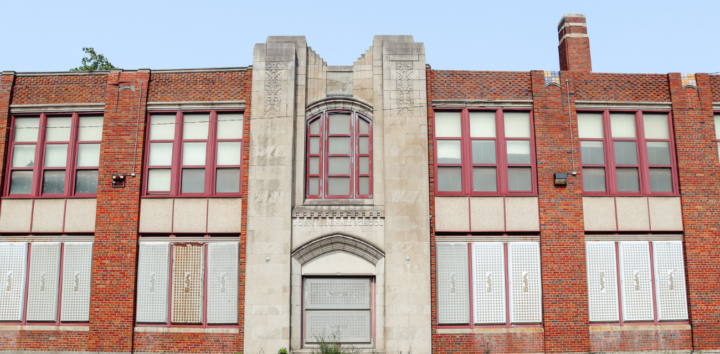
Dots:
(114, 261)
(562, 237)
(7, 80)
(699, 174)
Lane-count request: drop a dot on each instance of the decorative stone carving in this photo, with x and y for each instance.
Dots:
(272, 88)
(405, 100)
(338, 242)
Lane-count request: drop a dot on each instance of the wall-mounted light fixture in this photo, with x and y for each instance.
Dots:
(561, 179)
(118, 181)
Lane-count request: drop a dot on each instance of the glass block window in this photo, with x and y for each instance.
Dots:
(188, 283)
(484, 152)
(338, 308)
(636, 281)
(54, 155)
(339, 156)
(194, 153)
(627, 153)
(505, 278)
(45, 282)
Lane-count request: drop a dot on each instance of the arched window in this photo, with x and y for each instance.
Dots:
(339, 156)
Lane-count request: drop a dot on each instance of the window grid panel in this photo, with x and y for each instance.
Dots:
(153, 282)
(13, 260)
(43, 284)
(337, 294)
(452, 283)
(349, 326)
(489, 282)
(636, 283)
(525, 287)
(670, 281)
(187, 284)
(77, 273)
(222, 283)
(602, 282)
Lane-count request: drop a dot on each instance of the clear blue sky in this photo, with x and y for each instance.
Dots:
(630, 36)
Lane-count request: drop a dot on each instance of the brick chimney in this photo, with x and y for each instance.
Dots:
(574, 46)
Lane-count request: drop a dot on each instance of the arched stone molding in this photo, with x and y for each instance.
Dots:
(338, 242)
(343, 103)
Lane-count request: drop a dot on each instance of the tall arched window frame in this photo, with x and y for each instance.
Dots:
(338, 162)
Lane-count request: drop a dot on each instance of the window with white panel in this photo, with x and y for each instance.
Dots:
(506, 283)
(43, 273)
(188, 283)
(636, 281)
(337, 309)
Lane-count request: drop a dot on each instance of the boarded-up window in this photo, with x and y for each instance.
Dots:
(77, 272)
(222, 283)
(602, 281)
(452, 270)
(43, 281)
(12, 285)
(187, 288)
(337, 308)
(152, 282)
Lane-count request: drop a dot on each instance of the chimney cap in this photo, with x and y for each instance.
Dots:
(568, 15)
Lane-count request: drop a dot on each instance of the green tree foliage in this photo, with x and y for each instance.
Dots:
(94, 62)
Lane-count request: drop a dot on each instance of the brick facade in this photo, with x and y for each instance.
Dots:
(554, 99)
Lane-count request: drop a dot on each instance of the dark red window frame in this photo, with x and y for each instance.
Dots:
(471, 298)
(643, 165)
(57, 322)
(501, 161)
(168, 320)
(176, 167)
(618, 278)
(39, 168)
(716, 118)
(324, 155)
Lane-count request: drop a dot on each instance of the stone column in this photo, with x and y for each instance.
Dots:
(267, 301)
(400, 110)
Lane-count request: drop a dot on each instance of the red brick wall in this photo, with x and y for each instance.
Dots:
(247, 87)
(486, 85)
(496, 342)
(442, 80)
(699, 174)
(59, 89)
(211, 86)
(43, 340)
(614, 341)
(6, 88)
(115, 252)
(187, 343)
(621, 87)
(562, 237)
(715, 84)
